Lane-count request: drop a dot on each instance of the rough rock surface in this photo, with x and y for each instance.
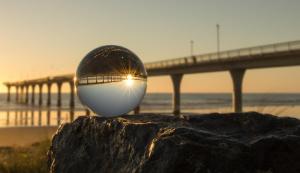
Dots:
(146, 143)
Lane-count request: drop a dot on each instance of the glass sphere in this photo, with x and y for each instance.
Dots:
(111, 80)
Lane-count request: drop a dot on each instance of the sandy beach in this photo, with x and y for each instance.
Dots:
(21, 136)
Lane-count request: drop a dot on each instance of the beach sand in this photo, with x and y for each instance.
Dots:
(22, 136)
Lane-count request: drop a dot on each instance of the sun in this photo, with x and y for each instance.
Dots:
(129, 80)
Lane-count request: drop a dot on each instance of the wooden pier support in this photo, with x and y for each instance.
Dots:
(176, 80)
(237, 76)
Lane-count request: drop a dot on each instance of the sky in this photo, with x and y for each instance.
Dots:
(45, 38)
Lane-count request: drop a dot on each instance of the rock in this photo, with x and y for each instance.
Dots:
(146, 143)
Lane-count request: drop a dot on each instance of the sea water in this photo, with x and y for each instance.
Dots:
(280, 104)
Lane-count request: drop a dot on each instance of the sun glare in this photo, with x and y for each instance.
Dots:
(129, 80)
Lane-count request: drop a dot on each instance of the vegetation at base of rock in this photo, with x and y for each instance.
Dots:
(28, 159)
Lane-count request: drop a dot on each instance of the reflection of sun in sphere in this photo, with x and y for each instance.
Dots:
(111, 80)
(129, 80)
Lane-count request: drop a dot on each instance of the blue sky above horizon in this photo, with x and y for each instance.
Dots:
(41, 38)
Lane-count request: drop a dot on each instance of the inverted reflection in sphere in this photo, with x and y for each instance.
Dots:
(111, 80)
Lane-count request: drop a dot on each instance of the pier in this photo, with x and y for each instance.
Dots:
(23, 98)
(236, 62)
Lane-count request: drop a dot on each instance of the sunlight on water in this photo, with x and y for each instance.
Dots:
(38, 117)
(54, 117)
(276, 104)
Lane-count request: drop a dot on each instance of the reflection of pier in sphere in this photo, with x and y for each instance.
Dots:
(102, 79)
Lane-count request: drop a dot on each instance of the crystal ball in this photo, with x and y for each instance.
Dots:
(111, 80)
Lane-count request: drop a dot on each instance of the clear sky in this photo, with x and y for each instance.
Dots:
(41, 38)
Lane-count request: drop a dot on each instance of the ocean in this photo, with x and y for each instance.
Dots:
(280, 104)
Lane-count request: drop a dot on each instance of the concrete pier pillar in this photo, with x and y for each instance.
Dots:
(237, 76)
(176, 80)
(8, 93)
(72, 90)
(32, 94)
(22, 94)
(40, 94)
(49, 94)
(26, 93)
(17, 94)
(59, 84)
(137, 110)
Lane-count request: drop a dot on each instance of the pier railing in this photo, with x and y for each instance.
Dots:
(227, 55)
